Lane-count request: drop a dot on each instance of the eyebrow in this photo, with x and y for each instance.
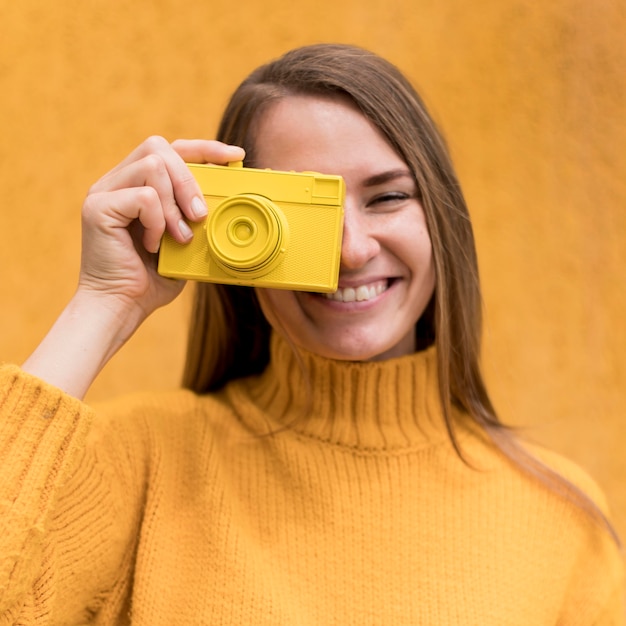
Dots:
(385, 177)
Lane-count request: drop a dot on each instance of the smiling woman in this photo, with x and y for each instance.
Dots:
(334, 459)
(386, 275)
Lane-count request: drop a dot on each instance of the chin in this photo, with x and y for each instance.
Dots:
(359, 350)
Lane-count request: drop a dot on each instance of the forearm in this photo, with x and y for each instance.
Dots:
(124, 217)
(89, 331)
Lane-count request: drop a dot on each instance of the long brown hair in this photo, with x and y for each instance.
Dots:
(229, 334)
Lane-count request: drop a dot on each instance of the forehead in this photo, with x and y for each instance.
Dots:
(326, 134)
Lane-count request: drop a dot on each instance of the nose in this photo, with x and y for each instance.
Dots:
(359, 243)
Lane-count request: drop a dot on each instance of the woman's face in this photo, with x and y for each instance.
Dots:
(386, 274)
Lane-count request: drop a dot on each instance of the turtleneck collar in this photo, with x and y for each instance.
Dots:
(373, 405)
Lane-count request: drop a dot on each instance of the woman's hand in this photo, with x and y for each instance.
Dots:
(127, 211)
(124, 217)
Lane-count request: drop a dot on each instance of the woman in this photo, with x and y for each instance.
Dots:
(333, 460)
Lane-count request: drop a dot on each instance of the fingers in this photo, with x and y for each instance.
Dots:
(113, 212)
(161, 166)
(196, 151)
(166, 189)
(154, 164)
(201, 151)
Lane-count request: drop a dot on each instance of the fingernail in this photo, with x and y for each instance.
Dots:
(199, 208)
(184, 230)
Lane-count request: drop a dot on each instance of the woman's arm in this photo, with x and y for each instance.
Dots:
(45, 462)
(124, 217)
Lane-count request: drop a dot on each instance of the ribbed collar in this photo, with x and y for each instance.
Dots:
(382, 405)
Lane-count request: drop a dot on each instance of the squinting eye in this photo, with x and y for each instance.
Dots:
(393, 196)
(390, 198)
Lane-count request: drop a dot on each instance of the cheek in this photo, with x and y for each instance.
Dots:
(419, 258)
(428, 268)
(428, 260)
(418, 251)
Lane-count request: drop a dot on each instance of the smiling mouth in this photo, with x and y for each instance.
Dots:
(361, 293)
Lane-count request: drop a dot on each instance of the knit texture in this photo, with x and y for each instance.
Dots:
(320, 492)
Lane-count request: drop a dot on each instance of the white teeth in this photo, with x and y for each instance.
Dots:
(360, 293)
(363, 293)
(349, 295)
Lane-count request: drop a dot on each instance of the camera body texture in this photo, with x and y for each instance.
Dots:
(264, 228)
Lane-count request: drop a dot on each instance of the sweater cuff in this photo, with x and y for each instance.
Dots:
(41, 430)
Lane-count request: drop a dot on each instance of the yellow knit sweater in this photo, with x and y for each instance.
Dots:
(179, 509)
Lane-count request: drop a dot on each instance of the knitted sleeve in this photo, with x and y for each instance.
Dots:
(65, 541)
(596, 593)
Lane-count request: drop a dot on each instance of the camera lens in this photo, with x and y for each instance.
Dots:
(242, 231)
(247, 235)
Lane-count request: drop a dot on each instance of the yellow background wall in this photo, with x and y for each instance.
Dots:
(532, 98)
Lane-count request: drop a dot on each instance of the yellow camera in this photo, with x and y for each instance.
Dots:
(265, 228)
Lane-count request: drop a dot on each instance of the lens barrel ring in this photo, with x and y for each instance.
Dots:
(247, 235)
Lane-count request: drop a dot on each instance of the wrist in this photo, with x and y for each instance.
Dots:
(111, 317)
(89, 331)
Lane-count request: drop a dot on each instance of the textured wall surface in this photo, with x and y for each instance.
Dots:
(532, 99)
